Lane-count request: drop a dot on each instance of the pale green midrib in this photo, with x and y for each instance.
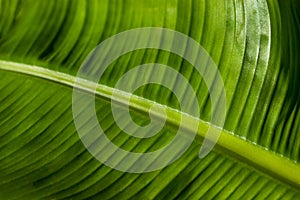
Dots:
(274, 164)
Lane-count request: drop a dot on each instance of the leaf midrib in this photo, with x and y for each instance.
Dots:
(276, 165)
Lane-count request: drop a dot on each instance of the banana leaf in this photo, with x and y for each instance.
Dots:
(255, 46)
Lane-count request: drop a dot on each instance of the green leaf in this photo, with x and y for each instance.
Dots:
(255, 46)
